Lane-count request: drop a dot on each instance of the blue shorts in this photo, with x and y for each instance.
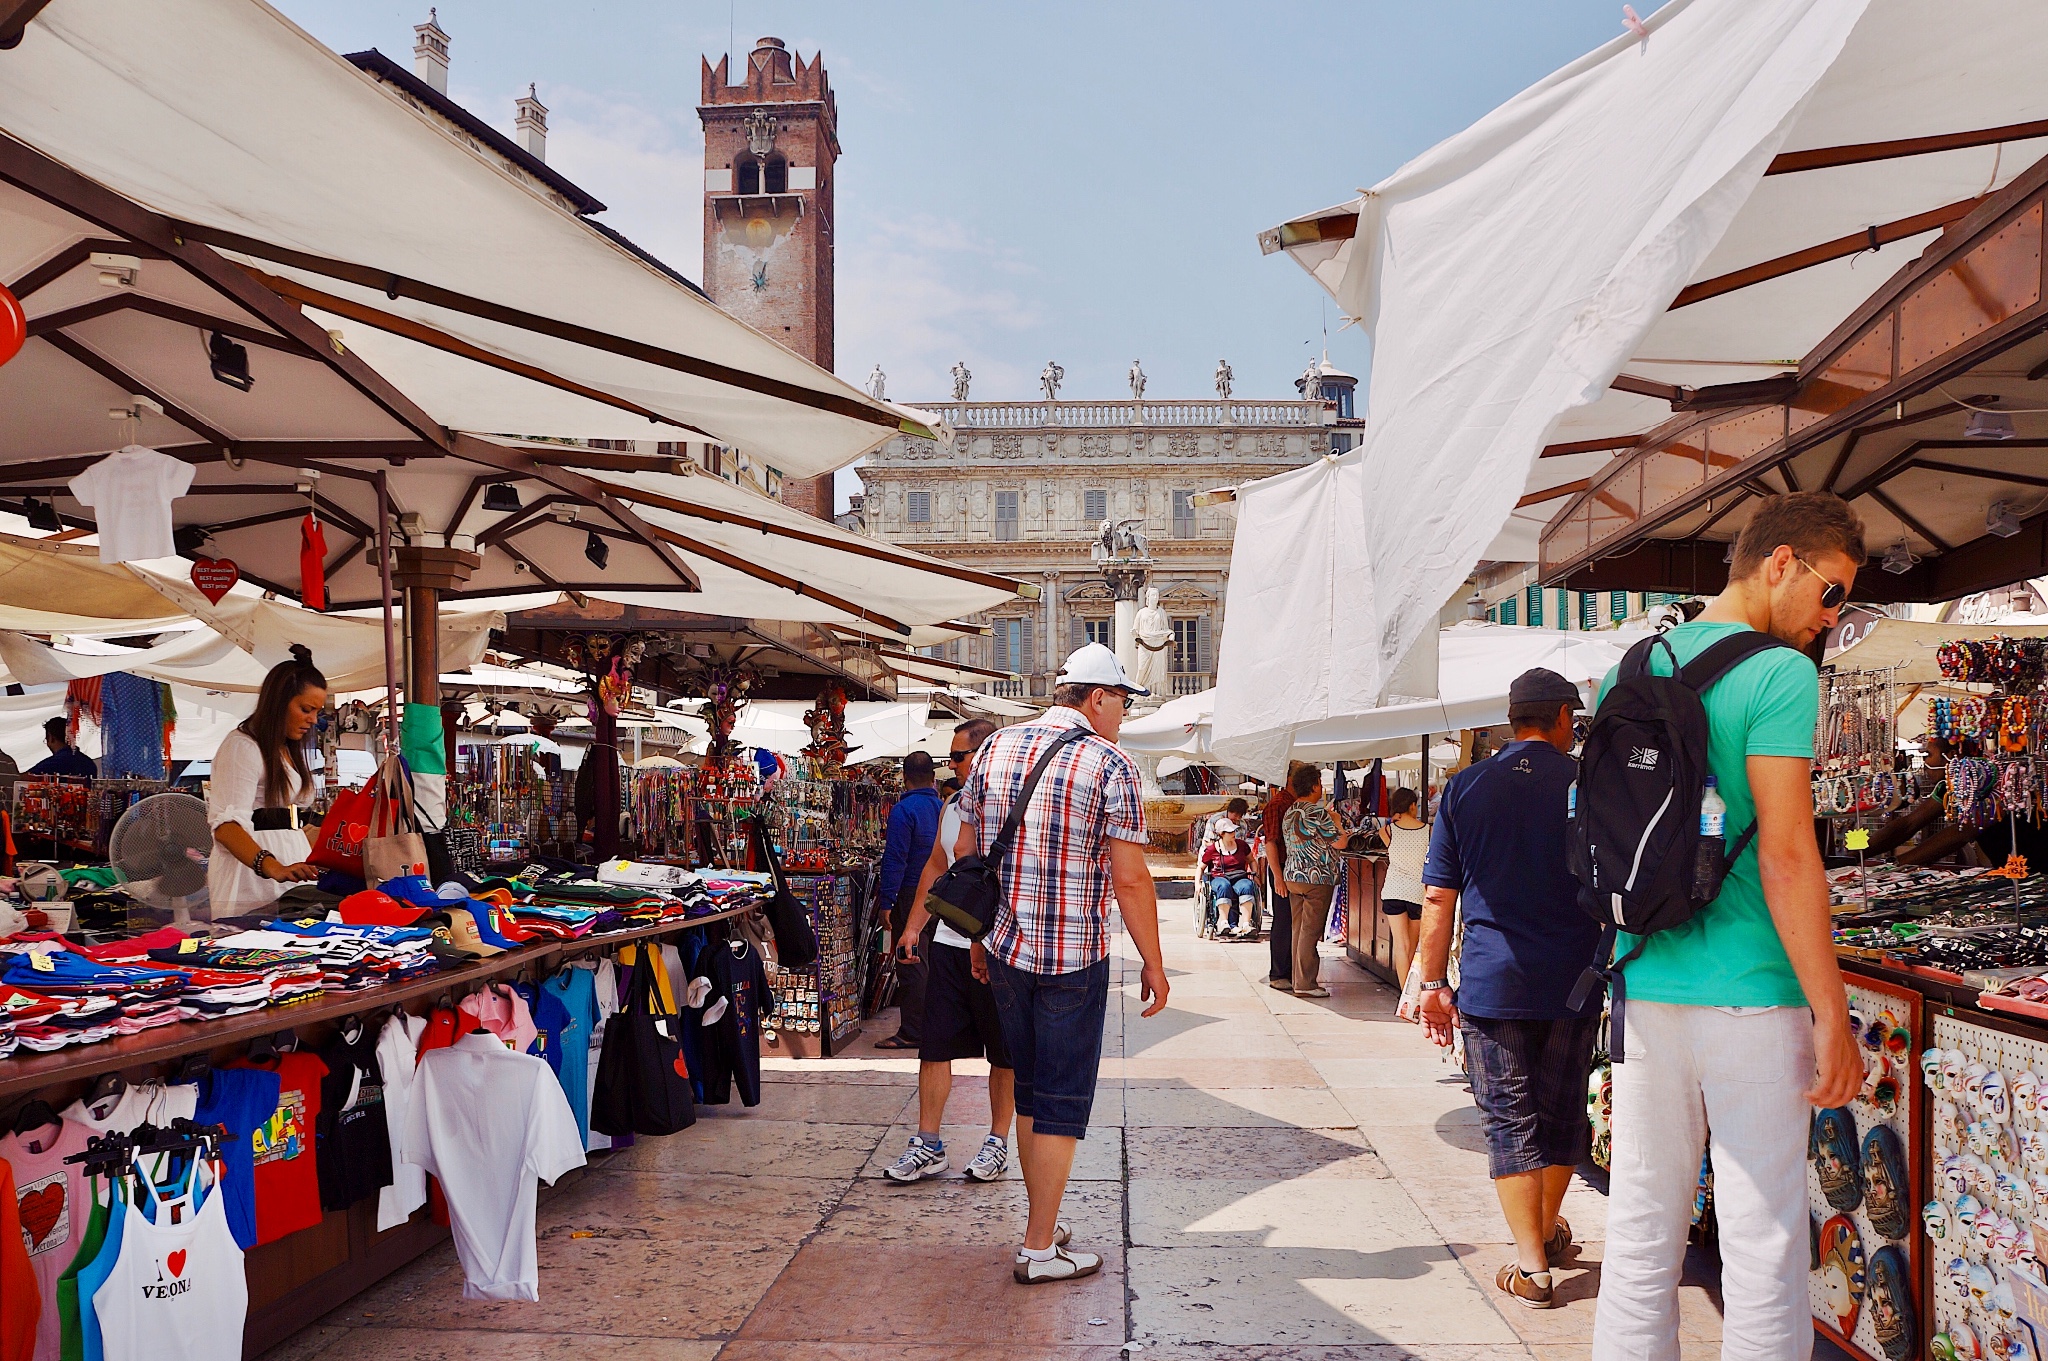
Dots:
(1052, 1026)
(1529, 1082)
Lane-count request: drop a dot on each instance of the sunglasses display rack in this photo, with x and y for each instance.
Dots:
(1863, 1186)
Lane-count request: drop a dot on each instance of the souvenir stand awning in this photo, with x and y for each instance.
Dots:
(1656, 233)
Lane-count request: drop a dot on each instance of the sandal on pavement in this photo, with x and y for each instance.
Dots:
(1521, 1286)
(1062, 1266)
(1280, 984)
(1062, 1234)
(896, 1042)
(1559, 1243)
(1314, 992)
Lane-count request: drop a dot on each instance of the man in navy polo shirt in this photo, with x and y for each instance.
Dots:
(1499, 850)
(913, 826)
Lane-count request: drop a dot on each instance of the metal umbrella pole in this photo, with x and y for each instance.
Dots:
(390, 628)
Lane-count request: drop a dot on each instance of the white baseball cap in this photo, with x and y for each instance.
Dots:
(1097, 665)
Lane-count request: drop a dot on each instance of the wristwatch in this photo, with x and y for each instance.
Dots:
(256, 865)
(1435, 984)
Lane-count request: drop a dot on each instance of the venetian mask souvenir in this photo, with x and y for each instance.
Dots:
(1973, 1086)
(2006, 1241)
(1968, 1207)
(2012, 1192)
(1964, 1338)
(1884, 1183)
(1993, 1099)
(1959, 1278)
(1930, 1069)
(1948, 1133)
(1982, 1180)
(1954, 1180)
(1941, 1348)
(2038, 1184)
(1933, 1214)
(1982, 1283)
(1842, 1280)
(1835, 1159)
(1891, 1304)
(1876, 1031)
(1952, 1065)
(2001, 1299)
(1884, 1094)
(1984, 1233)
(1899, 1044)
(2026, 1090)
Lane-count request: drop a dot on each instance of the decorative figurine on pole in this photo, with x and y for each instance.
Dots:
(726, 688)
(827, 722)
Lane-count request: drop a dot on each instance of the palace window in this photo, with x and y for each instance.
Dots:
(920, 507)
(1095, 506)
(1101, 631)
(1535, 607)
(1183, 515)
(1006, 515)
(1191, 645)
(1011, 645)
(747, 177)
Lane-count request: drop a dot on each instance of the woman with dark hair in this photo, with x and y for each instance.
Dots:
(1401, 896)
(259, 788)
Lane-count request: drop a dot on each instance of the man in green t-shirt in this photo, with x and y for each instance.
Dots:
(1737, 1020)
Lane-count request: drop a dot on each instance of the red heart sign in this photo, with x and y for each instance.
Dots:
(40, 1211)
(215, 577)
(682, 1068)
(176, 1262)
(13, 326)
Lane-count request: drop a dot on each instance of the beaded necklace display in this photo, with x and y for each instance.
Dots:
(1854, 743)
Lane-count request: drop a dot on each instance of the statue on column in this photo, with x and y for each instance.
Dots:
(1137, 377)
(962, 376)
(1050, 378)
(1154, 630)
(878, 383)
(1224, 379)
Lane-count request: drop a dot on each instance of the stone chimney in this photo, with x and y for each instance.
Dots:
(531, 125)
(430, 52)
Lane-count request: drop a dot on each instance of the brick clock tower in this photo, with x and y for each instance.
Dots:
(770, 143)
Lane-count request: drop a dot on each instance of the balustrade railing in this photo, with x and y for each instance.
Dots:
(1101, 415)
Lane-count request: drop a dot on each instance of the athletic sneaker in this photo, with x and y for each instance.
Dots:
(990, 1161)
(1062, 1266)
(919, 1161)
(1524, 1287)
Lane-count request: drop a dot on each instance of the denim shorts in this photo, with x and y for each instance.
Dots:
(1052, 1025)
(1529, 1082)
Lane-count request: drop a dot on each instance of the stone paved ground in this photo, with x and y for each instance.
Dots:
(1267, 1178)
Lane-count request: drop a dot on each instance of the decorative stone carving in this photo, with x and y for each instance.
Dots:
(962, 376)
(1224, 379)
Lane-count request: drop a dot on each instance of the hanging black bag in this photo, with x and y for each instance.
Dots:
(796, 941)
(965, 897)
(643, 1084)
(1634, 841)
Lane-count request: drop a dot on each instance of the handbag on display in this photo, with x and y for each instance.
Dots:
(643, 1083)
(394, 846)
(796, 941)
(338, 845)
(966, 896)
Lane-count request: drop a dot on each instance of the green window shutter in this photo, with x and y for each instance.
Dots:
(1507, 610)
(1027, 656)
(1204, 649)
(1617, 605)
(1535, 594)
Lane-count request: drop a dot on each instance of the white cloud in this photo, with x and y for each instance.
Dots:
(918, 292)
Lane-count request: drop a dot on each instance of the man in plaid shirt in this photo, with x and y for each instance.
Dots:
(1082, 839)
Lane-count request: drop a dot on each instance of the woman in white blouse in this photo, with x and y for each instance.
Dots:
(1401, 896)
(259, 789)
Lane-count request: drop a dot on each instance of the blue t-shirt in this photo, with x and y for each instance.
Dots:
(70, 761)
(1499, 841)
(241, 1099)
(575, 990)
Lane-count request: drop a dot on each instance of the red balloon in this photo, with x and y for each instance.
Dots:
(13, 326)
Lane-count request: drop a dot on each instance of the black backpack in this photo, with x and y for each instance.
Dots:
(1635, 844)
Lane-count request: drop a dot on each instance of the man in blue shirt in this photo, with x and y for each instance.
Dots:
(913, 827)
(1499, 849)
(64, 759)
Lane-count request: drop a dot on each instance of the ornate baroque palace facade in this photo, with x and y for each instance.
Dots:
(1025, 487)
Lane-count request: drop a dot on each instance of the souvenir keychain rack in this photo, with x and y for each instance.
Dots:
(73, 816)
(692, 815)
(514, 795)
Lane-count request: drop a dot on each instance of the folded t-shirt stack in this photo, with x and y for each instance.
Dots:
(350, 957)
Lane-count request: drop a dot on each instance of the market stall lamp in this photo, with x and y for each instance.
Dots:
(597, 550)
(1990, 425)
(230, 361)
(1899, 559)
(1999, 519)
(41, 515)
(501, 496)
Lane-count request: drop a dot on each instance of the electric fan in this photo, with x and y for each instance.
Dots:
(159, 848)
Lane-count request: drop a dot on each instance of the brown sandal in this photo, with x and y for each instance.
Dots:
(1559, 1243)
(896, 1042)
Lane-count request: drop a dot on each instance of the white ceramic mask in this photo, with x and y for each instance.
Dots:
(1968, 1207)
(1934, 1215)
(1973, 1085)
(1982, 1283)
(1993, 1097)
(1952, 1065)
(1930, 1068)
(2026, 1090)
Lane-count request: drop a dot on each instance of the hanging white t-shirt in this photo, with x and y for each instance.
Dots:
(130, 492)
(949, 836)
(398, 1049)
(137, 1103)
(486, 1122)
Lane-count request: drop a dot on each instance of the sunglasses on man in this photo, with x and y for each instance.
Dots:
(958, 756)
(1835, 593)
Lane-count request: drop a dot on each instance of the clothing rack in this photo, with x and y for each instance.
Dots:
(114, 1154)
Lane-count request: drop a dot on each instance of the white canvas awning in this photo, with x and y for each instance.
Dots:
(1912, 646)
(1680, 212)
(482, 297)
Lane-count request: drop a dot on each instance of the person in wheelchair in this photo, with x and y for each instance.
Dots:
(1227, 868)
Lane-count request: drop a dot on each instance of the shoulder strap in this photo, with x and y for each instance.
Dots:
(1015, 820)
(1717, 661)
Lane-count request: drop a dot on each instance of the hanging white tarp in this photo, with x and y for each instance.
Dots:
(1509, 274)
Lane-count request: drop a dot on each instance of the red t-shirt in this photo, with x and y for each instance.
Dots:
(1277, 804)
(287, 1179)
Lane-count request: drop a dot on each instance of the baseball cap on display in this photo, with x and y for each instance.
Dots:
(463, 935)
(374, 908)
(1097, 665)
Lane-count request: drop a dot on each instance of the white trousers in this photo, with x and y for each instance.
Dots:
(1743, 1076)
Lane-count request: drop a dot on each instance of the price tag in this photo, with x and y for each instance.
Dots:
(40, 961)
(1857, 839)
(188, 945)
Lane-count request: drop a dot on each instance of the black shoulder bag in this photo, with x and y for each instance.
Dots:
(965, 897)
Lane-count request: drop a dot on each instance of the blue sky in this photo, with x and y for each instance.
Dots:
(1074, 181)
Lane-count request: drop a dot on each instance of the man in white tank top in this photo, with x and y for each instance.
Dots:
(959, 1012)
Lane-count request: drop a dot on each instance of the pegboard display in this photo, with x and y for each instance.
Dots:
(1862, 1188)
(1989, 1165)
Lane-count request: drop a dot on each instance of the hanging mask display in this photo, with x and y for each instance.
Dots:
(1834, 1154)
(1993, 1097)
(1891, 1304)
(1842, 1281)
(1884, 1183)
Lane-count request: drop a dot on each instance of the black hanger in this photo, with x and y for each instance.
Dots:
(192, 1068)
(352, 1030)
(287, 1041)
(34, 1114)
(109, 1085)
(262, 1049)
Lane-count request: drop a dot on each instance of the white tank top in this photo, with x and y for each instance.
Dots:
(177, 1291)
(1407, 850)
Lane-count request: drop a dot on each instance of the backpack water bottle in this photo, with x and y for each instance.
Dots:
(1639, 841)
